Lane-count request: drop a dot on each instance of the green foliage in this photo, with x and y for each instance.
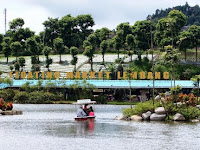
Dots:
(192, 13)
(11, 67)
(21, 97)
(16, 47)
(7, 94)
(101, 99)
(22, 62)
(189, 112)
(59, 46)
(6, 47)
(16, 23)
(33, 46)
(141, 108)
(74, 52)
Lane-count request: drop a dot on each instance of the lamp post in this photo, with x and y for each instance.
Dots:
(149, 18)
(198, 91)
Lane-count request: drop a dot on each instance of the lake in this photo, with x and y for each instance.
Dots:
(52, 127)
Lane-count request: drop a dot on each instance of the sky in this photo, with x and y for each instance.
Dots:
(106, 13)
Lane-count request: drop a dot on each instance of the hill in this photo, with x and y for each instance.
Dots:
(193, 13)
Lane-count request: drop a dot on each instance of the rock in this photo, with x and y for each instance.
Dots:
(179, 103)
(178, 117)
(119, 118)
(146, 116)
(136, 118)
(160, 110)
(198, 106)
(195, 120)
(157, 117)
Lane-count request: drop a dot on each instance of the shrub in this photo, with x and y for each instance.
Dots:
(36, 98)
(7, 94)
(189, 112)
(101, 99)
(141, 108)
(21, 97)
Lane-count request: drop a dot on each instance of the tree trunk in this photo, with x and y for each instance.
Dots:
(153, 79)
(60, 58)
(118, 53)
(140, 57)
(103, 59)
(75, 68)
(7, 60)
(196, 54)
(185, 56)
(91, 62)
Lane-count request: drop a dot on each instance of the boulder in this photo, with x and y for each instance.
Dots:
(146, 116)
(160, 110)
(157, 117)
(178, 117)
(198, 106)
(136, 118)
(195, 120)
(119, 118)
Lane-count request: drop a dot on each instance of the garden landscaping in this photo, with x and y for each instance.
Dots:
(175, 107)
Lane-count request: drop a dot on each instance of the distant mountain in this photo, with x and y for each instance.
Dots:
(193, 14)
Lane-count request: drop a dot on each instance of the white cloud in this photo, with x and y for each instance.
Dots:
(107, 13)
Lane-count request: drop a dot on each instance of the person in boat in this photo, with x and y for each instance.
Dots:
(81, 112)
(91, 113)
(86, 109)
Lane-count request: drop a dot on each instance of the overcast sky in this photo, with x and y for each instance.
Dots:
(106, 13)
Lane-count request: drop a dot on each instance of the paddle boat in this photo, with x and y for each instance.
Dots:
(83, 102)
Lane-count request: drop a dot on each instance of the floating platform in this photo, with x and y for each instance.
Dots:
(11, 112)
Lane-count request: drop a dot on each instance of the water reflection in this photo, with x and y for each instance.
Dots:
(85, 127)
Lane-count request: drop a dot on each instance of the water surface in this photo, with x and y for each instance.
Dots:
(52, 127)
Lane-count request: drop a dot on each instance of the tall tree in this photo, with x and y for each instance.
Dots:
(6, 47)
(51, 31)
(46, 52)
(103, 47)
(185, 42)
(171, 57)
(123, 29)
(89, 52)
(168, 29)
(59, 46)
(117, 44)
(16, 48)
(33, 46)
(83, 26)
(90, 46)
(16, 24)
(74, 52)
(195, 31)
(130, 43)
(102, 34)
(142, 36)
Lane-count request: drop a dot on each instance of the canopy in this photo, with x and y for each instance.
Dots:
(84, 101)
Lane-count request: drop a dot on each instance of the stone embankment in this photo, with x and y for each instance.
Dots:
(159, 114)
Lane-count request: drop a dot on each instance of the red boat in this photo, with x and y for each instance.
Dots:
(83, 102)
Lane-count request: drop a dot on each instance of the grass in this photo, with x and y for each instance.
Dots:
(122, 103)
(63, 102)
(108, 103)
